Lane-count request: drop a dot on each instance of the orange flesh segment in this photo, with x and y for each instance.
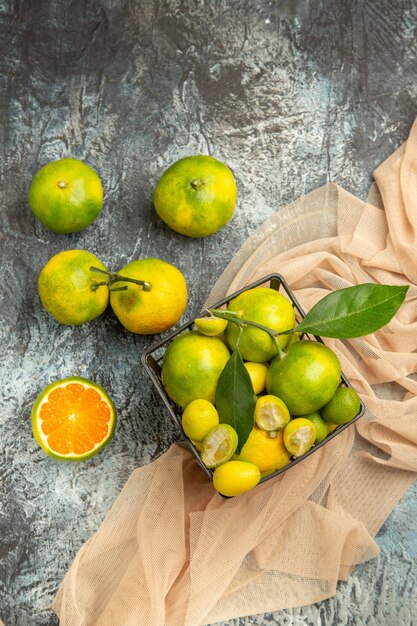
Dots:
(74, 419)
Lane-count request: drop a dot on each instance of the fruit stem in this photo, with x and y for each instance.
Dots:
(230, 316)
(280, 352)
(115, 278)
(197, 184)
(239, 337)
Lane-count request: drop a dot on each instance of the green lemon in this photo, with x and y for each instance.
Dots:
(293, 338)
(305, 378)
(343, 406)
(196, 196)
(236, 477)
(299, 436)
(265, 306)
(191, 367)
(219, 445)
(198, 418)
(66, 196)
(320, 424)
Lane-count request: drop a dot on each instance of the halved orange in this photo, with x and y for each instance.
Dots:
(73, 419)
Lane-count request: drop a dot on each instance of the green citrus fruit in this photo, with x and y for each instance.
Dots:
(66, 196)
(73, 419)
(191, 367)
(299, 436)
(235, 477)
(257, 373)
(210, 326)
(320, 424)
(198, 418)
(343, 406)
(265, 306)
(267, 453)
(271, 413)
(69, 290)
(306, 378)
(196, 196)
(147, 312)
(219, 445)
(293, 338)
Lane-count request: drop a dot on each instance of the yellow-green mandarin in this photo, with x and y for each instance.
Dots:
(66, 196)
(196, 196)
(235, 477)
(267, 453)
(154, 311)
(67, 287)
(265, 306)
(191, 367)
(306, 378)
(343, 406)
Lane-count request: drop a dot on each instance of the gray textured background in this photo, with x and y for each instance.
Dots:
(290, 99)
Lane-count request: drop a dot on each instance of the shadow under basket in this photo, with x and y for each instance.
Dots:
(152, 360)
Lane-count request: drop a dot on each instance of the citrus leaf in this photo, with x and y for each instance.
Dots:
(235, 398)
(354, 311)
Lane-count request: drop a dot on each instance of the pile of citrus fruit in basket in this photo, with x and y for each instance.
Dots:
(290, 391)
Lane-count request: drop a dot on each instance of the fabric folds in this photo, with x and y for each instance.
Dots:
(171, 551)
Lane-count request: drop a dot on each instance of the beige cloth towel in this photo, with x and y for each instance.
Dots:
(173, 552)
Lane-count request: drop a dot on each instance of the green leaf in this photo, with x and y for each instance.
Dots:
(354, 311)
(235, 399)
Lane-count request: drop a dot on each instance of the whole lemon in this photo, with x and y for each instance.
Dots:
(305, 378)
(196, 196)
(198, 418)
(235, 477)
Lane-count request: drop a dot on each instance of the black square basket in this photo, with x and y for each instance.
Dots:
(152, 360)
